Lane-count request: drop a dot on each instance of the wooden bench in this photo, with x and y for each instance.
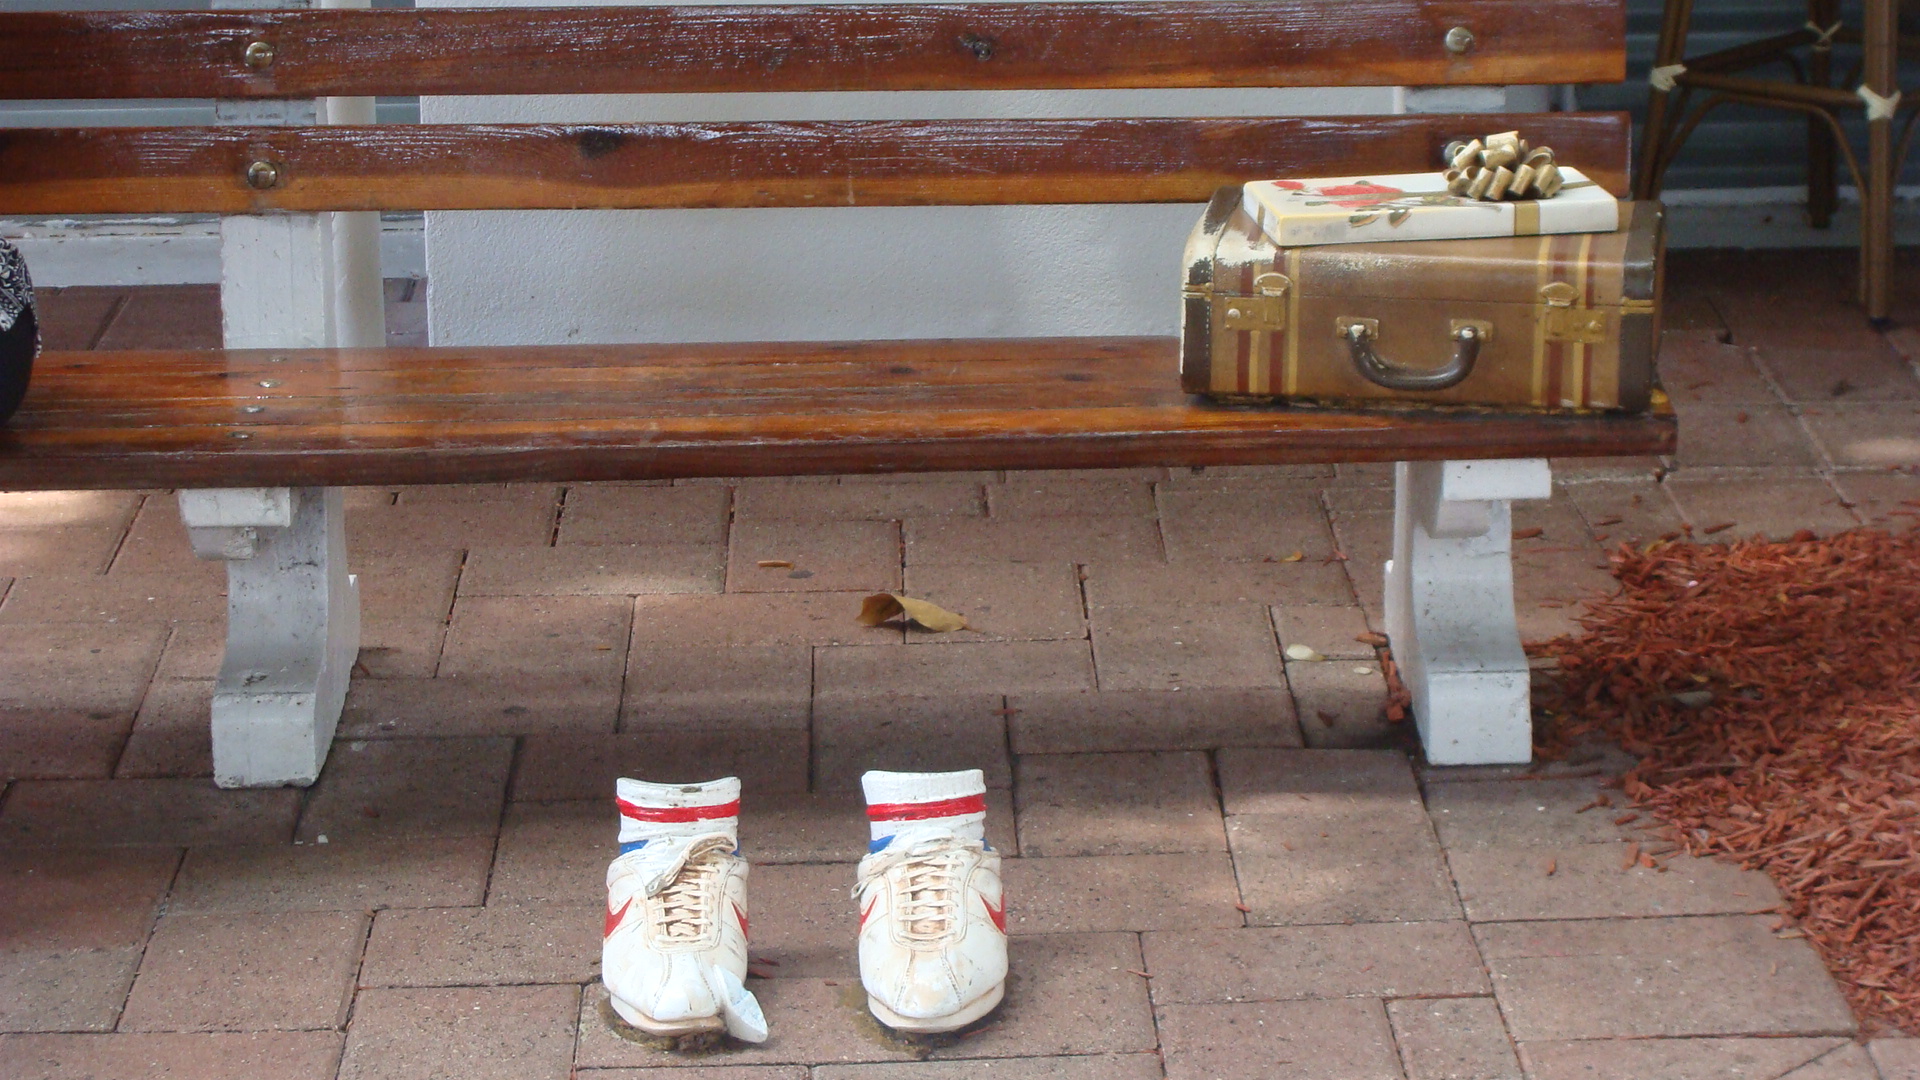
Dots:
(260, 436)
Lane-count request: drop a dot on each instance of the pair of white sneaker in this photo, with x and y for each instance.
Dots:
(932, 939)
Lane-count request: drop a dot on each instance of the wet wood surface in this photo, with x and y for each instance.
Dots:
(839, 163)
(408, 416)
(789, 48)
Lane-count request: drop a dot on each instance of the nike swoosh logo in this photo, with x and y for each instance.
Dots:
(740, 913)
(997, 914)
(868, 914)
(614, 917)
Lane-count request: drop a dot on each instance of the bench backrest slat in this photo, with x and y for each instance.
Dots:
(1136, 43)
(843, 163)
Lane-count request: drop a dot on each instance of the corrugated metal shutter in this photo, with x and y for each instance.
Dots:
(1738, 146)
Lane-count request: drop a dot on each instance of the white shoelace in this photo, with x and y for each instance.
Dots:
(928, 901)
(680, 872)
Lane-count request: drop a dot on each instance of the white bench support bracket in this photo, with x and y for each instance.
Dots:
(1449, 606)
(293, 628)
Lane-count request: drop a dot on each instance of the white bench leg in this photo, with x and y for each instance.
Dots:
(293, 612)
(287, 281)
(293, 628)
(1449, 606)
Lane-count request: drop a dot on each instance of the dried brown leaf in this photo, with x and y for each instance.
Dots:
(882, 607)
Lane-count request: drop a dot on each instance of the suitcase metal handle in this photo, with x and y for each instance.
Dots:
(1467, 335)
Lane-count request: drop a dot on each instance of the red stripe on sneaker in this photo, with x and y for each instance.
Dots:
(921, 811)
(614, 917)
(672, 814)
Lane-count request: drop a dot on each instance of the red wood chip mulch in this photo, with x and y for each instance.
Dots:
(1772, 693)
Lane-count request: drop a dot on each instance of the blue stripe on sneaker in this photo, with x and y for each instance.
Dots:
(636, 845)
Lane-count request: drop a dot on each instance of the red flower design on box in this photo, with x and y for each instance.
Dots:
(1343, 194)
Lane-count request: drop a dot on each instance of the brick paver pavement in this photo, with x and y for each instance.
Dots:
(1222, 862)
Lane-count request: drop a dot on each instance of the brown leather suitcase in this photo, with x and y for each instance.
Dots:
(1566, 321)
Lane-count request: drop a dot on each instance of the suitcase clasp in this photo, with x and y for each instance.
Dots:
(1569, 324)
(1267, 311)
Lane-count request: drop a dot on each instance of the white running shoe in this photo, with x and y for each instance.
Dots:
(674, 959)
(933, 930)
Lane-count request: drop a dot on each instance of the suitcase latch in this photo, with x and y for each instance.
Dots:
(1267, 311)
(1566, 323)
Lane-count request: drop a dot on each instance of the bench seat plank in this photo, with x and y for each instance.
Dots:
(775, 48)
(745, 164)
(568, 413)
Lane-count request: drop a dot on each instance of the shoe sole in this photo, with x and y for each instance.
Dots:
(935, 1025)
(671, 1029)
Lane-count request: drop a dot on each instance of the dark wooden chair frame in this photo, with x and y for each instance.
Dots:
(1724, 77)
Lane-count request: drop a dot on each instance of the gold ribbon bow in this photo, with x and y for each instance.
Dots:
(1501, 167)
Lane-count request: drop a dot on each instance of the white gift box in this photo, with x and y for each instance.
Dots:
(1417, 206)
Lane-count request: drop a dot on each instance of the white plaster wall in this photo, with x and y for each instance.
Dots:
(540, 277)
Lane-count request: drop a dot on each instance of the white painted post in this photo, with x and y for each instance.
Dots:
(299, 280)
(293, 611)
(1449, 606)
